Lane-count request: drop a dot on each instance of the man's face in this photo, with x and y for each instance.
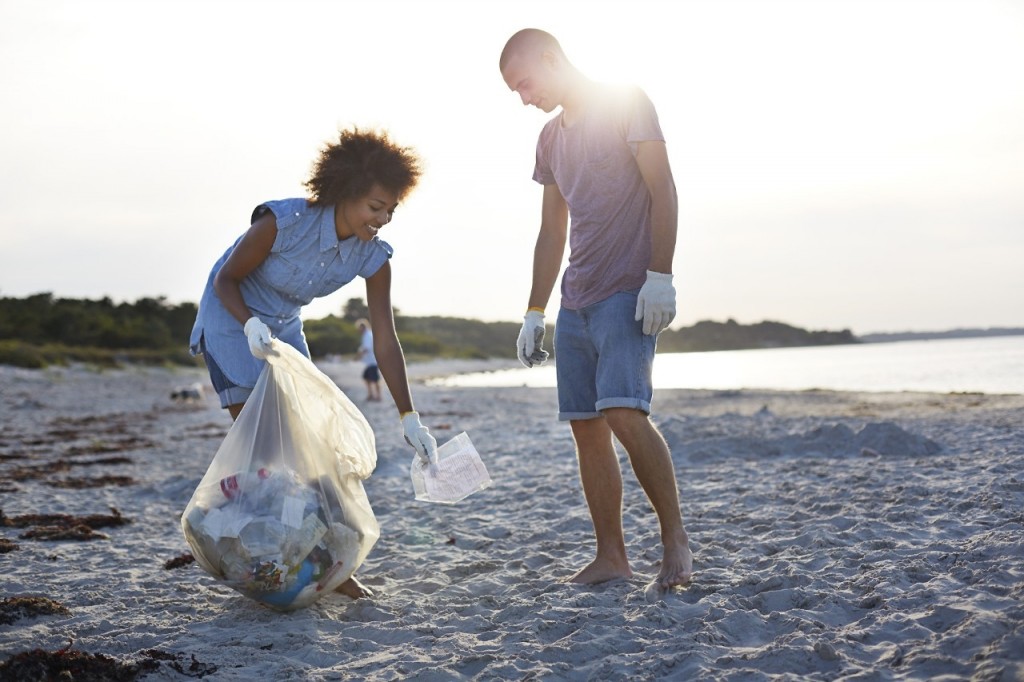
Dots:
(535, 79)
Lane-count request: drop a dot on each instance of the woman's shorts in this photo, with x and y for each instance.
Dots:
(603, 359)
(371, 373)
(229, 393)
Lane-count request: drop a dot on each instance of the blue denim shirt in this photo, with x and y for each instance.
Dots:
(306, 261)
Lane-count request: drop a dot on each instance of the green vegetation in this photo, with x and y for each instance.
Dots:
(41, 330)
(730, 335)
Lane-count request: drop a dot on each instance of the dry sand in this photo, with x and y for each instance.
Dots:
(836, 536)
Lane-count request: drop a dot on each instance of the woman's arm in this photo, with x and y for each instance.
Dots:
(247, 255)
(390, 358)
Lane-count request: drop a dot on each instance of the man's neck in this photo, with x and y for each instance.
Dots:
(574, 106)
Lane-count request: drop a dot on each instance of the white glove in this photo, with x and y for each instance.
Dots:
(531, 338)
(418, 436)
(259, 337)
(656, 304)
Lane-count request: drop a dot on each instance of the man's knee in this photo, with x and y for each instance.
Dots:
(627, 417)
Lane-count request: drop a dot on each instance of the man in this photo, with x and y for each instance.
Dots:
(602, 161)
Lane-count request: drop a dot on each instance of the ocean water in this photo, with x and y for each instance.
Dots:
(981, 365)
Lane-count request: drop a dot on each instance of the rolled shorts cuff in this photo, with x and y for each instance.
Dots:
(630, 403)
(577, 416)
(234, 395)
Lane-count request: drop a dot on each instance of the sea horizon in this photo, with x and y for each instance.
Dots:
(986, 364)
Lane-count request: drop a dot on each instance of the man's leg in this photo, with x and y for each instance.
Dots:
(652, 462)
(602, 486)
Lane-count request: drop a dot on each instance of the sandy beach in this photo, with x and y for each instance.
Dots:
(836, 536)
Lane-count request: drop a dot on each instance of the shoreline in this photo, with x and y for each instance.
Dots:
(835, 534)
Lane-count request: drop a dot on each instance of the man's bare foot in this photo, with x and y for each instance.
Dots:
(676, 567)
(601, 571)
(353, 589)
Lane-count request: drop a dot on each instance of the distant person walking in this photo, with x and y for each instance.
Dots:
(371, 374)
(603, 162)
(296, 250)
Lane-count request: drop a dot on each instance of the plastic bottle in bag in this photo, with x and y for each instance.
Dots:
(241, 483)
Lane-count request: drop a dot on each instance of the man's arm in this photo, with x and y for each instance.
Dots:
(652, 158)
(550, 247)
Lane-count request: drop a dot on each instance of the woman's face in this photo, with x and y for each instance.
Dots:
(363, 217)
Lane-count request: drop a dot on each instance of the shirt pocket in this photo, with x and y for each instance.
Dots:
(283, 275)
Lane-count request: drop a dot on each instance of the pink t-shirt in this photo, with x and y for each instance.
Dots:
(593, 163)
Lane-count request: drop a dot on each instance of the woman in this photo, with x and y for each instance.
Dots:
(296, 250)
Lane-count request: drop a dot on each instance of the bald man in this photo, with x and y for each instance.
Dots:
(602, 162)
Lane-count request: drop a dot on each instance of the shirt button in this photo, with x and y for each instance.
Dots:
(310, 281)
(296, 214)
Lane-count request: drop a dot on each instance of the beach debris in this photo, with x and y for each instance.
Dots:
(63, 526)
(281, 515)
(16, 608)
(179, 561)
(79, 532)
(274, 537)
(458, 473)
(194, 669)
(193, 393)
(42, 471)
(91, 520)
(91, 482)
(70, 664)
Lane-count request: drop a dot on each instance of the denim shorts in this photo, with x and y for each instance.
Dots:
(603, 359)
(229, 393)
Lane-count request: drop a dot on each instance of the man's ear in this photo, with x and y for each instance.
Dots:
(551, 60)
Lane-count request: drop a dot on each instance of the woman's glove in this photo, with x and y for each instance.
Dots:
(259, 337)
(656, 304)
(531, 339)
(418, 436)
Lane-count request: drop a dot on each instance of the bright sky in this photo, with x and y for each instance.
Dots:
(840, 163)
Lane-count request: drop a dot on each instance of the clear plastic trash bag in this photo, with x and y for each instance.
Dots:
(281, 514)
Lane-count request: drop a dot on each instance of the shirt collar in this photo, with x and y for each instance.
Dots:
(328, 233)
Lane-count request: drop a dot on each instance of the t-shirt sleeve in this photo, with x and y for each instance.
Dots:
(542, 172)
(641, 120)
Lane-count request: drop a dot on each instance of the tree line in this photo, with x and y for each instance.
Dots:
(40, 329)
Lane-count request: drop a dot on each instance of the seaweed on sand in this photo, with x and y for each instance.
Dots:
(81, 666)
(63, 526)
(16, 608)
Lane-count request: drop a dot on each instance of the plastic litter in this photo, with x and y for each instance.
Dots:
(281, 514)
(459, 473)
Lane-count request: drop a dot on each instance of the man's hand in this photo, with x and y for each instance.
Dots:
(259, 337)
(531, 340)
(418, 436)
(656, 304)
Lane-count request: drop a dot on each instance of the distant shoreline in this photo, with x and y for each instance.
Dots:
(883, 337)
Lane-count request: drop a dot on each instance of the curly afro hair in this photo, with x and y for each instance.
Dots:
(351, 166)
